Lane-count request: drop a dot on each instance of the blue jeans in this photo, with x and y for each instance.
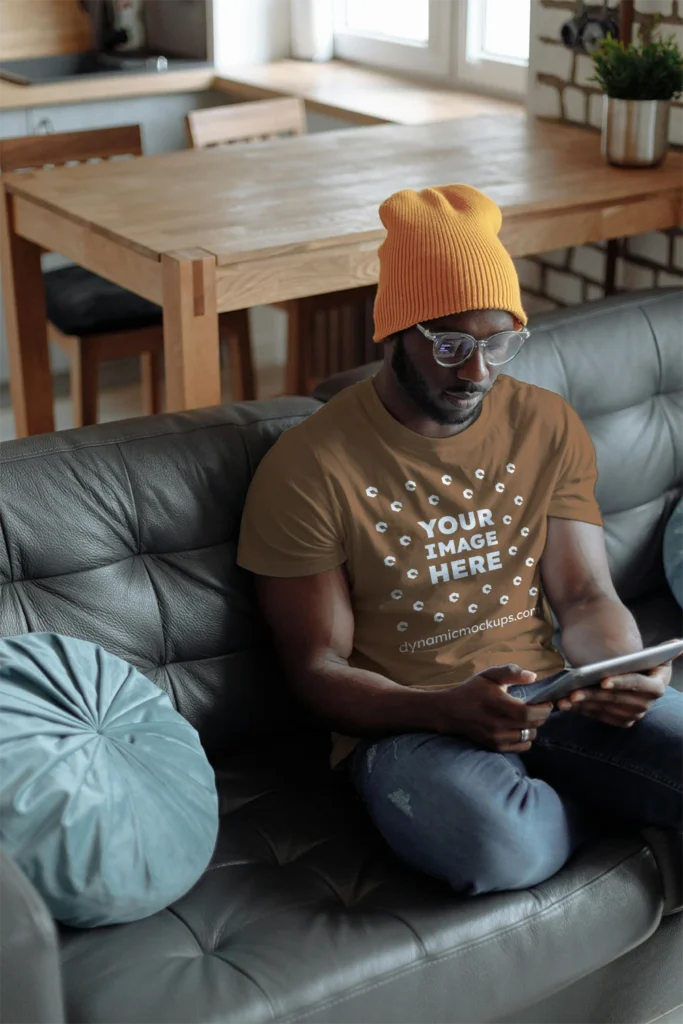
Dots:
(486, 822)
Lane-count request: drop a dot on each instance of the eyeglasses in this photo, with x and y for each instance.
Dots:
(455, 348)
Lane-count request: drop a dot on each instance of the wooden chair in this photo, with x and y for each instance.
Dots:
(91, 319)
(238, 123)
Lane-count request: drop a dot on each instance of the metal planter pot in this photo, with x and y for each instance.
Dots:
(635, 133)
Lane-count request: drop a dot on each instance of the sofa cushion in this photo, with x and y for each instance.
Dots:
(132, 546)
(659, 619)
(673, 552)
(305, 914)
(82, 303)
(617, 362)
(108, 802)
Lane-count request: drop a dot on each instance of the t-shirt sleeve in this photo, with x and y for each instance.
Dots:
(290, 526)
(574, 492)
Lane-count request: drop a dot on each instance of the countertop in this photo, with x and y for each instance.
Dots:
(358, 95)
(104, 87)
(361, 94)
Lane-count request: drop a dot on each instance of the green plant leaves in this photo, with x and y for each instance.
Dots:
(651, 70)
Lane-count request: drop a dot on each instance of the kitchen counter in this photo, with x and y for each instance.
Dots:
(105, 87)
(358, 95)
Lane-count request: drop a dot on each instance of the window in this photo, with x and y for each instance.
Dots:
(406, 35)
(483, 44)
(493, 44)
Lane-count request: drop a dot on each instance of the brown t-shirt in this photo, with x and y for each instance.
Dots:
(442, 537)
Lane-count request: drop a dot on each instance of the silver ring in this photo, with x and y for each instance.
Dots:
(525, 735)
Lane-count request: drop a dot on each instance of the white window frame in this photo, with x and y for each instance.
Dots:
(428, 60)
(455, 27)
(481, 73)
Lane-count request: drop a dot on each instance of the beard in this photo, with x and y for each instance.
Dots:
(431, 403)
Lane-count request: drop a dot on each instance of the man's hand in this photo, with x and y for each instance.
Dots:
(620, 700)
(482, 710)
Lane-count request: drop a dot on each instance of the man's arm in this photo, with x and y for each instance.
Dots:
(594, 624)
(312, 622)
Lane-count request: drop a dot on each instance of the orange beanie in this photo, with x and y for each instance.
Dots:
(442, 255)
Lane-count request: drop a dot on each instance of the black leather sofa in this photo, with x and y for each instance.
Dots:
(125, 534)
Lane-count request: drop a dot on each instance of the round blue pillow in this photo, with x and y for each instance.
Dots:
(107, 800)
(673, 552)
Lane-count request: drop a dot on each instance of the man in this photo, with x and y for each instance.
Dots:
(407, 539)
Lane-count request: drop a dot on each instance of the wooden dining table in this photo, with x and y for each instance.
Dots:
(202, 232)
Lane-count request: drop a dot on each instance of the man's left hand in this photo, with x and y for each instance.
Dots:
(620, 700)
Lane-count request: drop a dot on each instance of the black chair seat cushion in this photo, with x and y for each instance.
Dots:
(305, 915)
(81, 303)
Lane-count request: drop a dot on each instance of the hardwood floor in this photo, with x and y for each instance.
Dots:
(121, 398)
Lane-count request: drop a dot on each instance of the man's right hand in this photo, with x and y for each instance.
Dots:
(483, 711)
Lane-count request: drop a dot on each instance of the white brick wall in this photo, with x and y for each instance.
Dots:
(632, 277)
(547, 21)
(575, 105)
(529, 274)
(554, 60)
(589, 261)
(665, 280)
(676, 125)
(564, 287)
(546, 101)
(556, 258)
(595, 110)
(584, 70)
(653, 246)
(537, 304)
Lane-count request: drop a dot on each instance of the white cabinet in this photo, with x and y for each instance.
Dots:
(13, 123)
(162, 118)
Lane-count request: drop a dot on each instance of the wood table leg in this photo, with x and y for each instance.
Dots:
(152, 382)
(299, 340)
(24, 300)
(613, 252)
(191, 351)
(84, 383)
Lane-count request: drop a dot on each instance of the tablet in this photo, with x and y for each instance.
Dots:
(591, 675)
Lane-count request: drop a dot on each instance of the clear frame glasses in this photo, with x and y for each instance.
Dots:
(453, 348)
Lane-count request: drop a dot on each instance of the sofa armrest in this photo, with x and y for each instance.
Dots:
(327, 389)
(30, 982)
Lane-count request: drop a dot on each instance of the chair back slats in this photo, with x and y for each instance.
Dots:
(246, 122)
(56, 149)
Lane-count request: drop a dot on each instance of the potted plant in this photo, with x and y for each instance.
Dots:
(639, 82)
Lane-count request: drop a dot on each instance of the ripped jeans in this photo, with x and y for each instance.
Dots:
(486, 822)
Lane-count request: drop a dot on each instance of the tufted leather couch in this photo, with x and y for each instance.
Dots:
(125, 534)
